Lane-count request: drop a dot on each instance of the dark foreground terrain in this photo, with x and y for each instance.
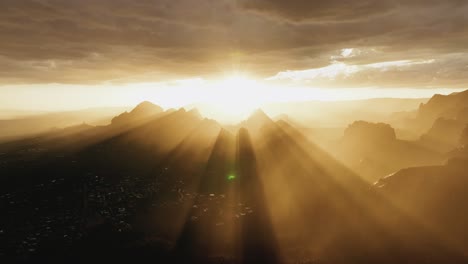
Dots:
(173, 187)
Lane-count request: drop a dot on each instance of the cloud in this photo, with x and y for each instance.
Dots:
(448, 70)
(330, 10)
(347, 53)
(339, 10)
(95, 41)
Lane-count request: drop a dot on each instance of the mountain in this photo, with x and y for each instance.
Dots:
(141, 112)
(79, 137)
(289, 120)
(373, 150)
(176, 187)
(317, 202)
(453, 106)
(444, 135)
(341, 113)
(433, 195)
(40, 123)
(255, 121)
(447, 106)
(369, 132)
(441, 121)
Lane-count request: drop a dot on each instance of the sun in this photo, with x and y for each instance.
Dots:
(235, 97)
(228, 100)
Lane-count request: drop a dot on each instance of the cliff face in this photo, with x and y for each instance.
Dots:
(450, 106)
(434, 195)
(365, 131)
(373, 150)
(440, 121)
(444, 135)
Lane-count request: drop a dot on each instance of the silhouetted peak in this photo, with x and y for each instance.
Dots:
(207, 122)
(287, 119)
(195, 112)
(141, 111)
(147, 108)
(439, 99)
(447, 106)
(259, 115)
(206, 119)
(184, 113)
(256, 120)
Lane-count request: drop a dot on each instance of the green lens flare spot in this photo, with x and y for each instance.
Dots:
(231, 177)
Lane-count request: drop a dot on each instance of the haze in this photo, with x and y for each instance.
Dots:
(234, 131)
(74, 55)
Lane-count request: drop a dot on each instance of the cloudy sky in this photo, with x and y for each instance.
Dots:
(384, 44)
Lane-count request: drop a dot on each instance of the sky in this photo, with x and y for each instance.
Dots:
(82, 53)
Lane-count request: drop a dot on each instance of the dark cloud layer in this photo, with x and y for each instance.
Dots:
(319, 10)
(92, 41)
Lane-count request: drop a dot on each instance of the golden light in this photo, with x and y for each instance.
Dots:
(234, 98)
(228, 100)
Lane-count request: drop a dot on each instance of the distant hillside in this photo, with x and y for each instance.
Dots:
(448, 106)
(33, 124)
(452, 106)
(373, 150)
(441, 121)
(7, 114)
(444, 135)
(434, 195)
(341, 113)
(140, 112)
(177, 183)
